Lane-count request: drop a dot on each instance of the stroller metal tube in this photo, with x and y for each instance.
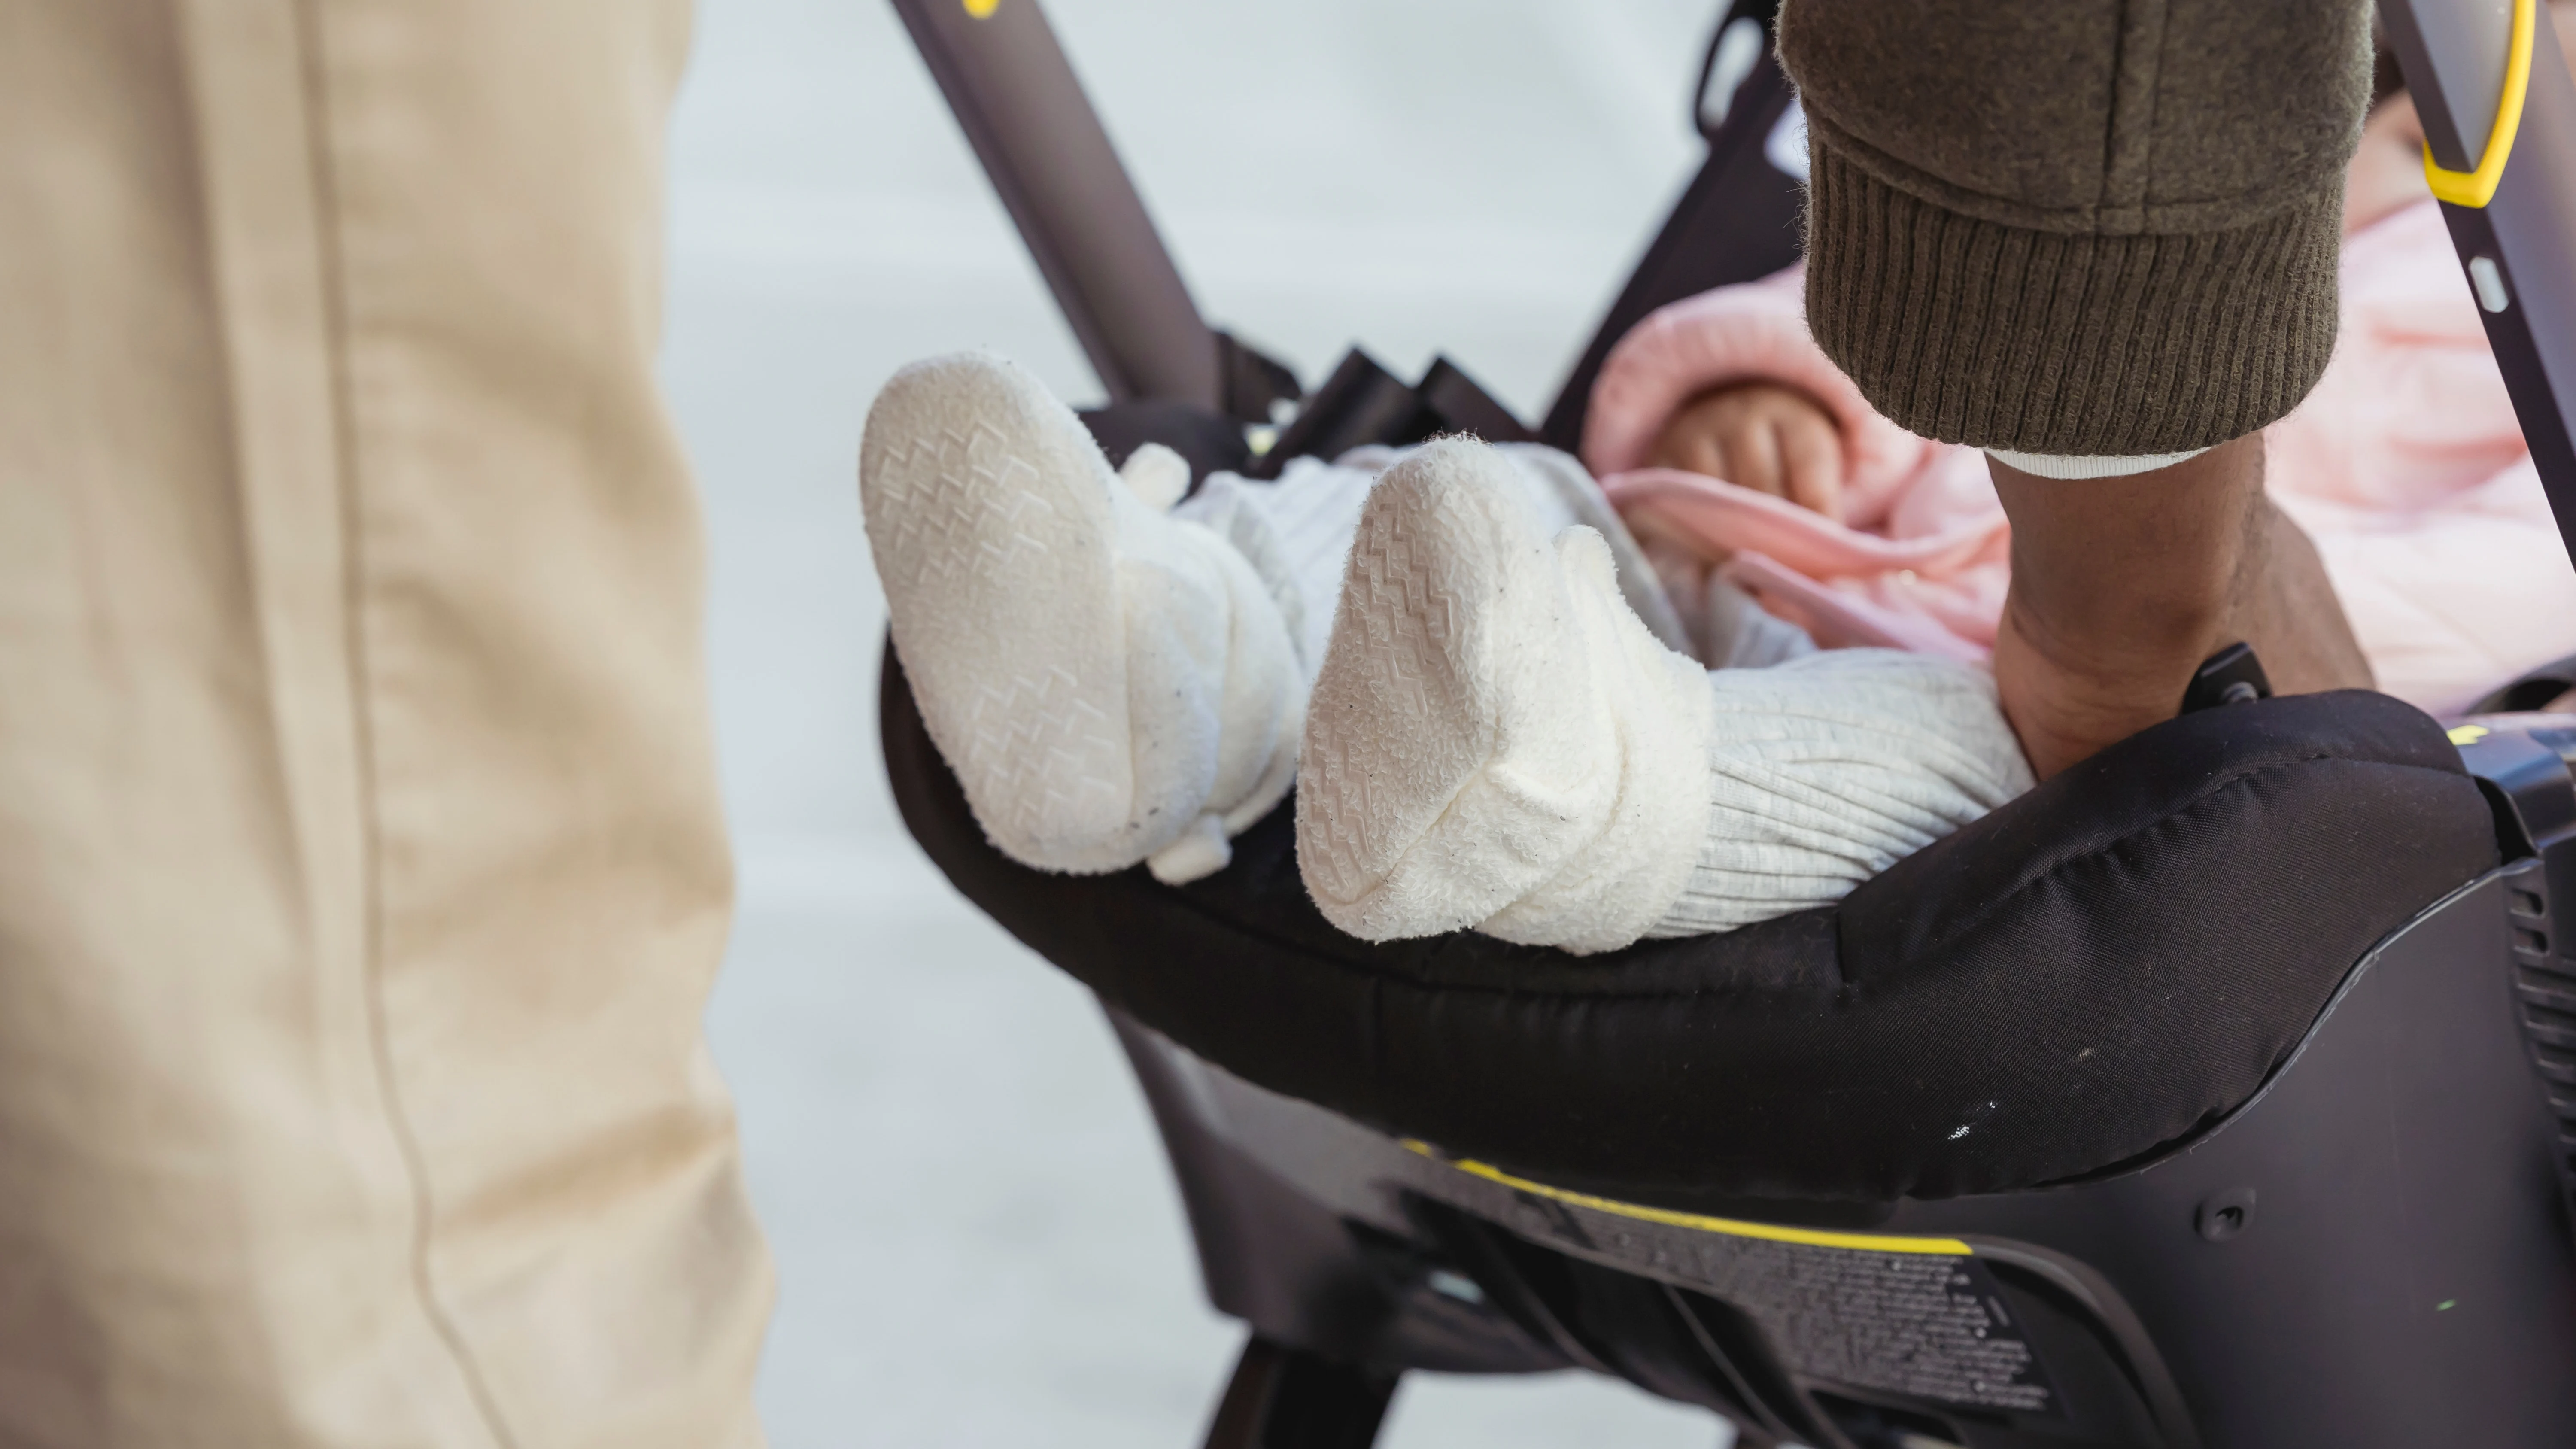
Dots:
(2457, 55)
(1023, 110)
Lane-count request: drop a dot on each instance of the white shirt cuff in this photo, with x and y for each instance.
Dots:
(2081, 465)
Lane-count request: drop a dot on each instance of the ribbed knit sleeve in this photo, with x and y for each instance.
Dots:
(2078, 226)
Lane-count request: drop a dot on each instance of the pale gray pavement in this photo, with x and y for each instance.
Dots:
(977, 1239)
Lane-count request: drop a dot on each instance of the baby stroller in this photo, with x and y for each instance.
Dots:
(2221, 1091)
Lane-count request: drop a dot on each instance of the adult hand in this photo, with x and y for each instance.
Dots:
(2122, 586)
(1762, 436)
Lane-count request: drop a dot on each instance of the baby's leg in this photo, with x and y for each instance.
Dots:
(1830, 768)
(1298, 530)
(1109, 684)
(1496, 741)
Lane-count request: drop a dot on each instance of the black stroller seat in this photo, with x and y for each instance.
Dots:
(2076, 1127)
(2221, 1091)
(2082, 980)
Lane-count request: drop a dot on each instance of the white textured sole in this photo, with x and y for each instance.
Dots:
(1445, 572)
(1495, 740)
(989, 514)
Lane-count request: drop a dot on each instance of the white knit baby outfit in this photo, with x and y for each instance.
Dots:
(1307, 519)
(1498, 732)
(1827, 769)
(1496, 742)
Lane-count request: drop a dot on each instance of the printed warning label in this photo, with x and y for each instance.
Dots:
(1918, 1316)
(1910, 1323)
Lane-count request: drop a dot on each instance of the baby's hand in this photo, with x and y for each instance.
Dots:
(1762, 436)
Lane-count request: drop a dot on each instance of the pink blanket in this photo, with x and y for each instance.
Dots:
(2405, 465)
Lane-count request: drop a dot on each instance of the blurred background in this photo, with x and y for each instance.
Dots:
(977, 1240)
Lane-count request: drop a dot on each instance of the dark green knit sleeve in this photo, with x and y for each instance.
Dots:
(2078, 226)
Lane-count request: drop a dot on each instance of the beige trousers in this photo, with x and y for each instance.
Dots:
(361, 869)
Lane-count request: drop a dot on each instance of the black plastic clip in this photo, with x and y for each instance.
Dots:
(2231, 676)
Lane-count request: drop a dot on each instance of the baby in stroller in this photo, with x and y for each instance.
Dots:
(2405, 466)
(1483, 731)
(1452, 651)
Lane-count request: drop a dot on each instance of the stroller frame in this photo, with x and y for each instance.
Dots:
(2374, 1250)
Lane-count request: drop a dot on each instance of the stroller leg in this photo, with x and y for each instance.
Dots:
(1287, 1398)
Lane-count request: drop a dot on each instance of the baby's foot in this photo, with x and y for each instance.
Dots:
(1108, 684)
(1495, 740)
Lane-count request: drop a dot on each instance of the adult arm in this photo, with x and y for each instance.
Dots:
(2096, 229)
(2122, 586)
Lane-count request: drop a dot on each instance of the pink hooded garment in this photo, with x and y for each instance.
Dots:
(2406, 467)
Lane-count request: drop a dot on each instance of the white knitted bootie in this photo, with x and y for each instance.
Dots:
(1495, 740)
(1110, 685)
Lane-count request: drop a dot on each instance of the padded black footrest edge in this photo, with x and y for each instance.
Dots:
(2087, 977)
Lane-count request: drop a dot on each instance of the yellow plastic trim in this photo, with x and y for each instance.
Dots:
(1860, 1242)
(2467, 734)
(2477, 188)
(982, 9)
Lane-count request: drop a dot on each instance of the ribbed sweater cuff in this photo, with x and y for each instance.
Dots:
(1972, 331)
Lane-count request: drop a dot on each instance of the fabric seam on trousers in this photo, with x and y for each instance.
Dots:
(328, 221)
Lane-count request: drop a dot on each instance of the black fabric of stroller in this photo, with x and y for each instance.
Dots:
(2093, 974)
